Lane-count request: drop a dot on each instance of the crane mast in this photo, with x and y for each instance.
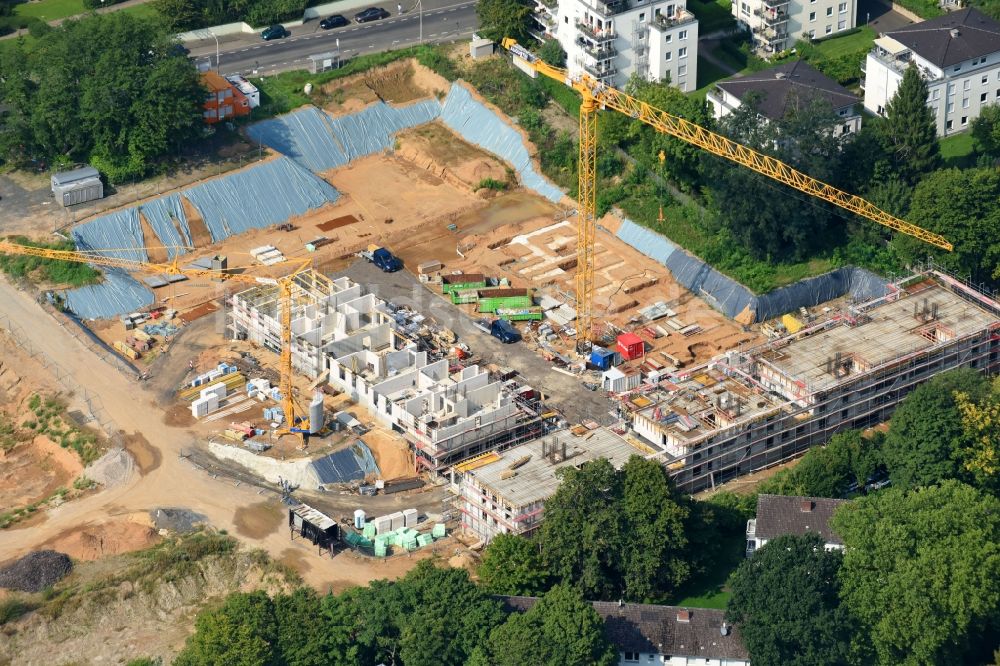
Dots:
(596, 95)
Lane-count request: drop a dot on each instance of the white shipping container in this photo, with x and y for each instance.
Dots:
(397, 520)
(204, 406)
(383, 525)
(218, 390)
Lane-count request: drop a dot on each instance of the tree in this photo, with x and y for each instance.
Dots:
(512, 565)
(962, 206)
(922, 571)
(154, 110)
(848, 459)
(985, 131)
(653, 564)
(980, 454)
(771, 220)
(582, 535)
(561, 629)
(926, 430)
(240, 632)
(786, 604)
(504, 18)
(552, 52)
(909, 132)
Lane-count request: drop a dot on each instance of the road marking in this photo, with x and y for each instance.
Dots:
(354, 29)
(255, 48)
(242, 50)
(434, 35)
(452, 9)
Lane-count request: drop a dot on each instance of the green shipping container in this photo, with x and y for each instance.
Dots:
(521, 314)
(438, 531)
(468, 296)
(447, 288)
(492, 303)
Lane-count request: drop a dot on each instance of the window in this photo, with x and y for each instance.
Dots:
(965, 120)
(829, 29)
(934, 110)
(842, 8)
(950, 124)
(683, 34)
(682, 52)
(841, 24)
(982, 98)
(965, 102)
(950, 107)
(936, 94)
(829, 11)
(957, 68)
(682, 70)
(669, 55)
(642, 17)
(998, 94)
(631, 656)
(812, 16)
(668, 38)
(812, 33)
(985, 80)
(967, 84)
(745, 8)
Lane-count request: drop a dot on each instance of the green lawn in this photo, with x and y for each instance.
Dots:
(837, 46)
(957, 150)
(145, 11)
(49, 10)
(712, 590)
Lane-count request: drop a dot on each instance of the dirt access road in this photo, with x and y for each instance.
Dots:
(175, 482)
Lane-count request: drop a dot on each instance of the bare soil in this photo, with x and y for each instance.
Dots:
(397, 83)
(258, 520)
(146, 456)
(95, 540)
(437, 149)
(33, 470)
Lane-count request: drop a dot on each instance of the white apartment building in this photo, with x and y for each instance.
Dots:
(776, 24)
(611, 41)
(788, 86)
(957, 54)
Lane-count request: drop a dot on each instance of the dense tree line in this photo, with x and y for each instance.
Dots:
(106, 89)
(433, 616)
(917, 583)
(614, 534)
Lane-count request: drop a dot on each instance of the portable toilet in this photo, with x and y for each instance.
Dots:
(359, 518)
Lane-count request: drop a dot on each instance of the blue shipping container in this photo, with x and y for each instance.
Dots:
(601, 358)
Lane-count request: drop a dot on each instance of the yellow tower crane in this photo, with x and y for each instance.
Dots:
(284, 285)
(596, 95)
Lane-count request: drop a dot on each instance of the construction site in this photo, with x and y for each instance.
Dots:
(267, 362)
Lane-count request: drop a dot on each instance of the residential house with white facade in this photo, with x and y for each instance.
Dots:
(645, 634)
(788, 86)
(611, 41)
(775, 25)
(957, 54)
(778, 515)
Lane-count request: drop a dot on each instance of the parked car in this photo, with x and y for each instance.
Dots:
(371, 14)
(504, 331)
(274, 32)
(335, 21)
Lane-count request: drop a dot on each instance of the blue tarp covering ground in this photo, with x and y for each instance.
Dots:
(319, 142)
(477, 124)
(166, 216)
(258, 197)
(733, 299)
(351, 464)
(117, 235)
(117, 294)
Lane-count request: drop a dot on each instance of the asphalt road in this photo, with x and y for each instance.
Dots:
(248, 54)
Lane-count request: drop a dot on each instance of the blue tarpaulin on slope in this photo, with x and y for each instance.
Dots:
(351, 464)
(117, 294)
(166, 216)
(117, 235)
(258, 197)
(477, 124)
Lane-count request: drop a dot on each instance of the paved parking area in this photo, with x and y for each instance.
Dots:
(566, 394)
(880, 16)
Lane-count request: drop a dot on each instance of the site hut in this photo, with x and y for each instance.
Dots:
(314, 526)
(77, 186)
(505, 492)
(957, 54)
(611, 41)
(666, 635)
(750, 409)
(775, 25)
(780, 515)
(787, 87)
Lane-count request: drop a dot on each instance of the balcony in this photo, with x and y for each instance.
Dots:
(774, 5)
(551, 4)
(605, 52)
(545, 18)
(771, 18)
(771, 36)
(599, 36)
(607, 9)
(900, 62)
(680, 17)
(600, 72)
(864, 65)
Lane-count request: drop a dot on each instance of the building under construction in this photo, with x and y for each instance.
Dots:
(749, 409)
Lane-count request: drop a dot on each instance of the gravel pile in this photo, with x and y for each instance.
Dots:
(112, 469)
(36, 571)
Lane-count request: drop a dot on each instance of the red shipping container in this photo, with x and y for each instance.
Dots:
(630, 346)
